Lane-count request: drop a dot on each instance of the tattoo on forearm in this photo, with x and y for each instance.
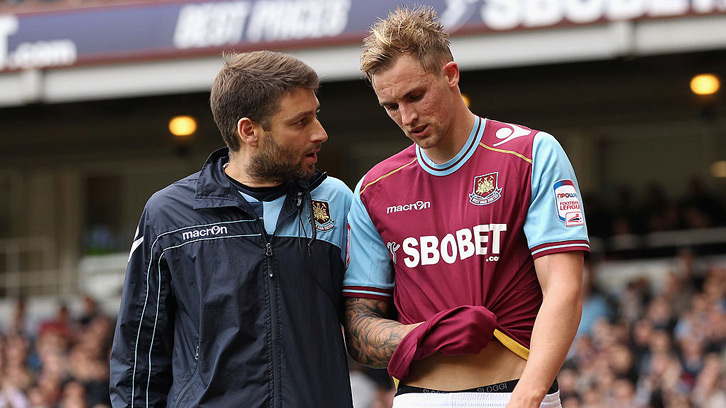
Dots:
(371, 337)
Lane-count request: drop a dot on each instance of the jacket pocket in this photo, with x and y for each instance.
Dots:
(191, 385)
(190, 391)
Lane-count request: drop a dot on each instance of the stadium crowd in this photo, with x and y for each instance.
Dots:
(653, 210)
(62, 362)
(652, 345)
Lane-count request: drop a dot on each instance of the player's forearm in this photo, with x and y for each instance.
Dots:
(370, 337)
(554, 331)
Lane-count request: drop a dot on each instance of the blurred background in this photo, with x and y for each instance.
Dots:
(103, 102)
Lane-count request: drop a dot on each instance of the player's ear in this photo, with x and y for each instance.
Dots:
(248, 131)
(451, 73)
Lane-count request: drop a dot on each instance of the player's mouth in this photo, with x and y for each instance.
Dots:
(419, 131)
(313, 155)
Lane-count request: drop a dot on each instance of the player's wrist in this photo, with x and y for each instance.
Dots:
(525, 398)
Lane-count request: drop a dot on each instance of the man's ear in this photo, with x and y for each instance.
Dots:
(248, 131)
(451, 73)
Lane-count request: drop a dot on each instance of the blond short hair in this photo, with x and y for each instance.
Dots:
(405, 31)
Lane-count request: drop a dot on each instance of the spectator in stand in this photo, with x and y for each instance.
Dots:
(36, 398)
(660, 314)
(89, 311)
(677, 292)
(17, 349)
(599, 222)
(18, 324)
(694, 319)
(623, 394)
(660, 384)
(571, 401)
(61, 324)
(698, 208)
(592, 398)
(691, 353)
(710, 388)
(657, 212)
(622, 362)
(10, 393)
(568, 378)
(51, 347)
(701, 209)
(11, 396)
(632, 301)
(74, 395)
(595, 304)
(624, 212)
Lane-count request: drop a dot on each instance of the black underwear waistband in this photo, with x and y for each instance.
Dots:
(506, 386)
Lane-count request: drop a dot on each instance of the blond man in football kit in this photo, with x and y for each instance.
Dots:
(482, 256)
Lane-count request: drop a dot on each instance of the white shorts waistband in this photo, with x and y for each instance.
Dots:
(466, 400)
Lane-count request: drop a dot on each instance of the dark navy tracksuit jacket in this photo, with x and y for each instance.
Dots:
(217, 313)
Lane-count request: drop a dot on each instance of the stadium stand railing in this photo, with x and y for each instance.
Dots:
(27, 268)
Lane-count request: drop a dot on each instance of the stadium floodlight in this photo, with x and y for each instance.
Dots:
(182, 126)
(705, 84)
(718, 169)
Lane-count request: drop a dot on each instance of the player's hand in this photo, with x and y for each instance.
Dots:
(461, 330)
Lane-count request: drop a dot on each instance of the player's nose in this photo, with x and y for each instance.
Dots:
(408, 115)
(319, 135)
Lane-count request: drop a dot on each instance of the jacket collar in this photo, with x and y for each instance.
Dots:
(214, 189)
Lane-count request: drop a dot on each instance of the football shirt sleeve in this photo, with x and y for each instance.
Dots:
(370, 273)
(555, 220)
(339, 197)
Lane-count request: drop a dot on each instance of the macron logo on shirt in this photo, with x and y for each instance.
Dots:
(417, 206)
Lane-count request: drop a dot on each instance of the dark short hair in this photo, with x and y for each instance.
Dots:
(251, 85)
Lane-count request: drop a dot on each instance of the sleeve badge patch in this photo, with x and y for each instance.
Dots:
(569, 209)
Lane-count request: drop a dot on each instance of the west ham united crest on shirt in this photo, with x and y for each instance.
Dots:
(486, 189)
(436, 236)
(321, 213)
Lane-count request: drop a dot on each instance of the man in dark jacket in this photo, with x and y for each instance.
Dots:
(232, 291)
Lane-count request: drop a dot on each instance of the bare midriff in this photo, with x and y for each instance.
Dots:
(494, 364)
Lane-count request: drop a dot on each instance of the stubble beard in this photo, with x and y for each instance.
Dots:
(428, 142)
(275, 163)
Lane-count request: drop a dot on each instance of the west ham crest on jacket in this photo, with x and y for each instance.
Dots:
(321, 213)
(486, 189)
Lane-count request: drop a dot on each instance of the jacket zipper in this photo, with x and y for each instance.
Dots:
(276, 380)
(271, 277)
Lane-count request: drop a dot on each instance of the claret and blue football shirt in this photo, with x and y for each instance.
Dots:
(432, 236)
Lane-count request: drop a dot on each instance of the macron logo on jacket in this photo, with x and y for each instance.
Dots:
(204, 232)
